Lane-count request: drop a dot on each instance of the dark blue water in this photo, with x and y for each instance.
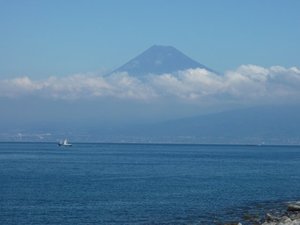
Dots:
(142, 184)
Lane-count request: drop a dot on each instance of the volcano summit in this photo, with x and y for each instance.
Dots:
(158, 60)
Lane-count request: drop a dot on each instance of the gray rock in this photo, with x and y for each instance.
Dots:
(271, 218)
(285, 220)
(293, 207)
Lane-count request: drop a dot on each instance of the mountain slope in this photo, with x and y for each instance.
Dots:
(158, 60)
(269, 125)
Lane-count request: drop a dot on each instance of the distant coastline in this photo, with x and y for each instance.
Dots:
(156, 143)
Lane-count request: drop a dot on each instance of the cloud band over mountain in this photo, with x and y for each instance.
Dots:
(247, 82)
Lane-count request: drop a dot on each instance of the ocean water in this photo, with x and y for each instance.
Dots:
(41, 183)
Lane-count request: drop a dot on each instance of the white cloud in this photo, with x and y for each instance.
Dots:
(78, 86)
(246, 83)
(18, 86)
(189, 84)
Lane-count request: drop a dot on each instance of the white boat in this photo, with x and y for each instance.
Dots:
(64, 143)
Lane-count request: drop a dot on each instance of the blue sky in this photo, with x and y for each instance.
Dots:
(43, 38)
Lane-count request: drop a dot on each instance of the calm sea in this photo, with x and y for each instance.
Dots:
(41, 183)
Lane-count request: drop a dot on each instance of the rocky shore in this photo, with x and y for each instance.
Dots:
(290, 217)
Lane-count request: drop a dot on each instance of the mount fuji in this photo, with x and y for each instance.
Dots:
(159, 60)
